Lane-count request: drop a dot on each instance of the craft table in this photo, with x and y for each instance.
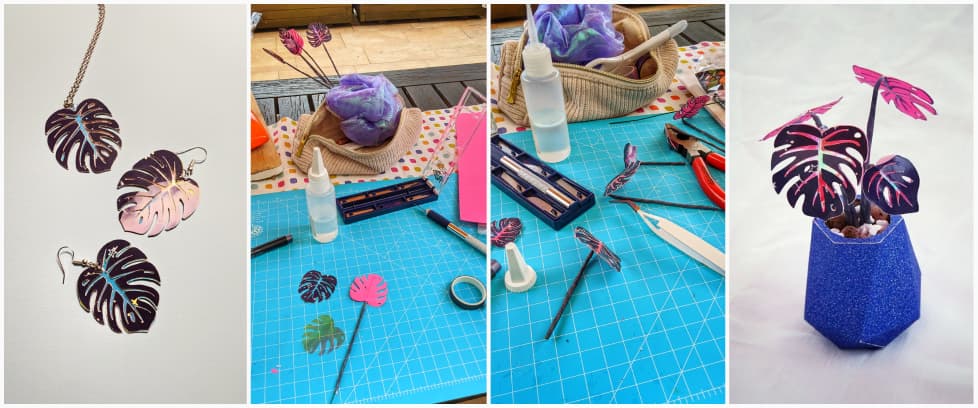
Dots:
(426, 362)
(706, 23)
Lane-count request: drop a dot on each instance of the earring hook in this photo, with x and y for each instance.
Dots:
(190, 167)
(80, 262)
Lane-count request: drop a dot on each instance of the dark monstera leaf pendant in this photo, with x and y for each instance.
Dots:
(86, 135)
(119, 290)
(163, 195)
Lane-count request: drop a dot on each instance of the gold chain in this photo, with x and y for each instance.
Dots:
(70, 100)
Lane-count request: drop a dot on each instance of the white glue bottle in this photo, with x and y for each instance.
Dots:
(544, 98)
(321, 201)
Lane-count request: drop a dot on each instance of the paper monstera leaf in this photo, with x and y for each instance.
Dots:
(121, 292)
(165, 197)
(316, 286)
(810, 163)
(370, 289)
(505, 231)
(323, 335)
(90, 131)
(892, 183)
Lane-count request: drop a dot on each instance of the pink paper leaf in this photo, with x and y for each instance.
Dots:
(905, 97)
(292, 40)
(506, 231)
(804, 117)
(318, 34)
(691, 107)
(370, 289)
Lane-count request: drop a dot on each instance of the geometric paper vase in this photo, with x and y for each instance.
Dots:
(862, 292)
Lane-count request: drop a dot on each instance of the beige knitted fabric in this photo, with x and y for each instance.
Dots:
(322, 129)
(591, 94)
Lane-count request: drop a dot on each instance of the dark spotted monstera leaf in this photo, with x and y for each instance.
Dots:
(505, 231)
(121, 292)
(316, 287)
(166, 195)
(810, 163)
(90, 131)
(892, 183)
(322, 334)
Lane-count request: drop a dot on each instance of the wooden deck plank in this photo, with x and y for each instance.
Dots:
(718, 24)
(690, 14)
(697, 31)
(425, 97)
(478, 85)
(293, 106)
(400, 78)
(404, 98)
(267, 108)
(450, 92)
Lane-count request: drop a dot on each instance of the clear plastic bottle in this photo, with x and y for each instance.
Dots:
(544, 95)
(321, 201)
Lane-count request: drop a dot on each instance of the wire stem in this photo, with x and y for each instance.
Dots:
(567, 297)
(356, 329)
(660, 202)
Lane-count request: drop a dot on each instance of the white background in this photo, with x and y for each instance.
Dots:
(784, 60)
(174, 77)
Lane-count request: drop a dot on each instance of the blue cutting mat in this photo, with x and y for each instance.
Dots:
(417, 348)
(652, 333)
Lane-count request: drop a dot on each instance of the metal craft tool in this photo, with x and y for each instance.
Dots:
(536, 201)
(682, 239)
(699, 156)
(270, 245)
(444, 222)
(537, 182)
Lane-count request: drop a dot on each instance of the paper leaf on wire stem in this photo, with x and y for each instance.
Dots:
(810, 162)
(165, 196)
(622, 178)
(892, 183)
(316, 287)
(92, 129)
(691, 107)
(319, 334)
(631, 154)
(905, 97)
(318, 34)
(370, 289)
(292, 40)
(804, 117)
(506, 232)
(598, 247)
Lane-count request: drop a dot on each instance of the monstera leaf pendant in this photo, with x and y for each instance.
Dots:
(119, 289)
(166, 195)
(87, 130)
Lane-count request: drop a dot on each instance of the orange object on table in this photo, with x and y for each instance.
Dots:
(259, 135)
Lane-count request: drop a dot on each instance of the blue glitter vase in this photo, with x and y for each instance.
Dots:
(862, 292)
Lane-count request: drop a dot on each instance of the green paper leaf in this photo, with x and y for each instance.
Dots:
(323, 335)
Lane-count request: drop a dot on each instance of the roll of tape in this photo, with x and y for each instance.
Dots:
(459, 301)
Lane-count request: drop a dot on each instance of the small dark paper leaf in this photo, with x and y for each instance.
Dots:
(124, 286)
(322, 334)
(892, 184)
(318, 34)
(166, 195)
(598, 247)
(809, 163)
(90, 128)
(316, 287)
(631, 154)
(622, 178)
(506, 232)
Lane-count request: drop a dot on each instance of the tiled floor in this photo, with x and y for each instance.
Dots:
(379, 47)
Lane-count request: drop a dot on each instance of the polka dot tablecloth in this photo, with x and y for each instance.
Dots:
(689, 57)
(410, 165)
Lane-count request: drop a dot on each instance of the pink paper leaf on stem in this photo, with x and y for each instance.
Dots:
(691, 107)
(905, 97)
(292, 40)
(318, 34)
(370, 289)
(804, 117)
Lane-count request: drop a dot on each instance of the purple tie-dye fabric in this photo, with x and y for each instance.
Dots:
(578, 33)
(368, 106)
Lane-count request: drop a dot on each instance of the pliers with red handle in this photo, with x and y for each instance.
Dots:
(699, 156)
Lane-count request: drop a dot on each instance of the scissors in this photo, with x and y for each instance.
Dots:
(699, 155)
(682, 239)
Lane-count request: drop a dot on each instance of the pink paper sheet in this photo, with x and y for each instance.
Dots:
(472, 167)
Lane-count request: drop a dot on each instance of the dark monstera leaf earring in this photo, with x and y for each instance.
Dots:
(88, 129)
(166, 194)
(119, 288)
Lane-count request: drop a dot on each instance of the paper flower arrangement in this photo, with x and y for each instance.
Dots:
(828, 169)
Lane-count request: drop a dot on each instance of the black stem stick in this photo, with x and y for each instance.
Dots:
(650, 163)
(719, 143)
(660, 202)
(864, 204)
(282, 60)
(331, 60)
(570, 292)
(315, 68)
(653, 115)
(353, 339)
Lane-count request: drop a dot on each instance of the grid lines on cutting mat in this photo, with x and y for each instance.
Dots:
(417, 347)
(652, 333)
